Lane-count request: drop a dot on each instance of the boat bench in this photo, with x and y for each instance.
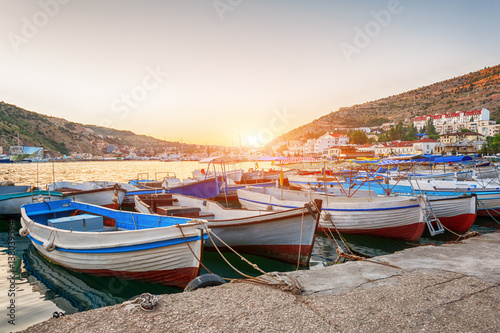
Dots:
(180, 211)
(206, 216)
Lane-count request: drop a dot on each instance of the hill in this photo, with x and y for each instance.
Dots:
(480, 89)
(59, 136)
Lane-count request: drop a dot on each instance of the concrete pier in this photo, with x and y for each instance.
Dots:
(447, 288)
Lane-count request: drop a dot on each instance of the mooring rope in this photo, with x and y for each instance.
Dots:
(147, 302)
(488, 210)
(280, 283)
(189, 246)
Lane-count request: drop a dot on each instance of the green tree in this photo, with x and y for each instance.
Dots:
(431, 130)
(359, 137)
(411, 133)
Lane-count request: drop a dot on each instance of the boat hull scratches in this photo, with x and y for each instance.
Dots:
(408, 232)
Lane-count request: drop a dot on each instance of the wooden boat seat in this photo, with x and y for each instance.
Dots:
(180, 211)
(67, 190)
(206, 216)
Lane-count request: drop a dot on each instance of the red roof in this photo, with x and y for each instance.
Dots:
(451, 115)
(427, 140)
(398, 144)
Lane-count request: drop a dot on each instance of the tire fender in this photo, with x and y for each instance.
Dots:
(203, 281)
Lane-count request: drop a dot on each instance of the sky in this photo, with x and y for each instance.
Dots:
(231, 72)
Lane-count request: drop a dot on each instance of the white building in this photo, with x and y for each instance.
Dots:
(394, 148)
(453, 122)
(425, 146)
(328, 140)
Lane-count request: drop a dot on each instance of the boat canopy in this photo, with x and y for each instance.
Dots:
(452, 159)
(387, 161)
(298, 160)
(218, 160)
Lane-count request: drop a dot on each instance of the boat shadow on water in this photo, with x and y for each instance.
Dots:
(74, 292)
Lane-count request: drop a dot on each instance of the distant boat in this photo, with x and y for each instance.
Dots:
(5, 158)
(90, 192)
(390, 217)
(286, 236)
(100, 241)
(208, 188)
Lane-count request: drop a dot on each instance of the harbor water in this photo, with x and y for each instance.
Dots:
(42, 288)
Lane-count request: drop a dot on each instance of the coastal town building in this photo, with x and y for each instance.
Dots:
(394, 148)
(474, 120)
(459, 147)
(347, 152)
(425, 146)
(451, 138)
(327, 140)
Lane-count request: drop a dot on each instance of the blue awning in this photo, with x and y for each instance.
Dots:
(452, 159)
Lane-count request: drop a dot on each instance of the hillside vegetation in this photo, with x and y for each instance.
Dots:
(475, 90)
(59, 136)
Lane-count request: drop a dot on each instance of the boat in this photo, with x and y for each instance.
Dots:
(90, 192)
(5, 158)
(207, 188)
(13, 197)
(262, 176)
(228, 191)
(487, 193)
(311, 182)
(390, 217)
(105, 242)
(286, 236)
(457, 212)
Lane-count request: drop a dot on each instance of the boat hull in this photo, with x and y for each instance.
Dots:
(138, 266)
(399, 218)
(456, 213)
(11, 204)
(143, 247)
(286, 236)
(203, 189)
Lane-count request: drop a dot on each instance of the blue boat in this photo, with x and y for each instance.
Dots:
(105, 242)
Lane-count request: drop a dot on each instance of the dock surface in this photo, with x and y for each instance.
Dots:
(447, 288)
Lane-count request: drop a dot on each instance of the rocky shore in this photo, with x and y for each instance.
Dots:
(448, 288)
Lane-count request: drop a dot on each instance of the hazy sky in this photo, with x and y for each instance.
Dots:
(212, 71)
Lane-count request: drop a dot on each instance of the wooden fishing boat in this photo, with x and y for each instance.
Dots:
(312, 182)
(390, 217)
(106, 242)
(262, 176)
(457, 212)
(487, 193)
(13, 197)
(286, 236)
(90, 192)
(207, 188)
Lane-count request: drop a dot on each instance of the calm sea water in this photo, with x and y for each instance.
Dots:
(42, 288)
